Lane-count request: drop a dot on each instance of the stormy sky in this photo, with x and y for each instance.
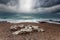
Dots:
(41, 6)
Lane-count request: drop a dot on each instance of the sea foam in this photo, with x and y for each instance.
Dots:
(54, 21)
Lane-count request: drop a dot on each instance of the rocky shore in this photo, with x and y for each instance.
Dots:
(52, 32)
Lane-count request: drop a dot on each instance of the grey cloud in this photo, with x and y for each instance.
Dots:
(47, 3)
(53, 9)
(4, 1)
(50, 9)
(40, 3)
(6, 8)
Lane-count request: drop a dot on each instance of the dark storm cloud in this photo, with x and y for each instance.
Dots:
(48, 6)
(43, 6)
(43, 3)
(8, 5)
(48, 3)
(4, 1)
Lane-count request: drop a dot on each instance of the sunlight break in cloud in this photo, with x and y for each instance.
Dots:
(25, 5)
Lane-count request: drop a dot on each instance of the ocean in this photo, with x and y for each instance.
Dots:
(28, 17)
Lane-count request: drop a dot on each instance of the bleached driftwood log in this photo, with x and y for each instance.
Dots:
(24, 30)
(16, 32)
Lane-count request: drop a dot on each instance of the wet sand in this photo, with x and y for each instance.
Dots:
(52, 32)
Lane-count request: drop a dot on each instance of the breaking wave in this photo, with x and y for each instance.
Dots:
(54, 21)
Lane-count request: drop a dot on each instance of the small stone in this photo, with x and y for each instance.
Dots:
(42, 30)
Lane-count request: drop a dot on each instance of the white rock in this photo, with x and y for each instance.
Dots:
(13, 27)
(21, 25)
(42, 30)
(35, 27)
(27, 29)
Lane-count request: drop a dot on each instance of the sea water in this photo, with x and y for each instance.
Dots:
(28, 17)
